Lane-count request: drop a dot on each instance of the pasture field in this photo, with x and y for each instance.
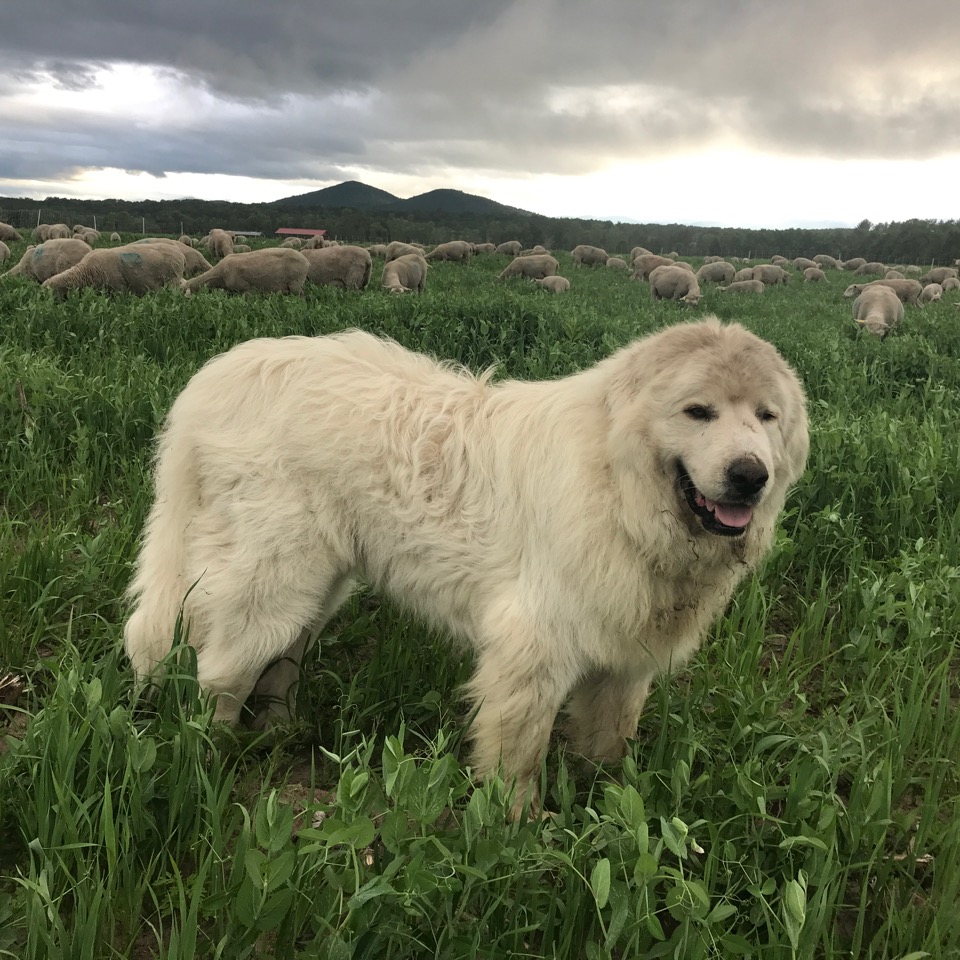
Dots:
(794, 792)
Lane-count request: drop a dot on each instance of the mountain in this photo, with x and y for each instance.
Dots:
(360, 196)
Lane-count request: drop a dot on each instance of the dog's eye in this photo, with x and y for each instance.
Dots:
(698, 411)
(766, 415)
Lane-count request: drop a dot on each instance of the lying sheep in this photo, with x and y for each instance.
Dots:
(456, 251)
(347, 267)
(745, 273)
(938, 274)
(646, 263)
(804, 263)
(908, 291)
(397, 249)
(408, 272)
(770, 274)
(271, 270)
(674, 283)
(717, 271)
(9, 233)
(4, 252)
(813, 275)
(585, 255)
(511, 248)
(874, 267)
(220, 243)
(617, 263)
(553, 284)
(878, 309)
(134, 268)
(852, 264)
(195, 260)
(744, 286)
(825, 262)
(533, 267)
(49, 258)
(931, 293)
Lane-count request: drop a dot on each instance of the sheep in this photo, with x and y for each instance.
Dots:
(640, 252)
(617, 263)
(59, 231)
(717, 271)
(9, 233)
(90, 237)
(804, 263)
(674, 283)
(744, 286)
(872, 267)
(271, 270)
(314, 243)
(39, 232)
(878, 309)
(511, 248)
(241, 248)
(115, 237)
(912, 271)
(554, 284)
(938, 274)
(220, 243)
(770, 274)
(456, 251)
(134, 268)
(893, 275)
(535, 251)
(347, 267)
(187, 241)
(196, 261)
(408, 272)
(826, 262)
(646, 263)
(397, 248)
(377, 250)
(4, 252)
(780, 261)
(813, 275)
(745, 273)
(585, 255)
(40, 262)
(712, 259)
(672, 255)
(534, 267)
(908, 291)
(950, 283)
(484, 248)
(852, 264)
(293, 243)
(931, 293)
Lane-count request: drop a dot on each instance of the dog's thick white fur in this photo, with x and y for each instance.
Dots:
(580, 533)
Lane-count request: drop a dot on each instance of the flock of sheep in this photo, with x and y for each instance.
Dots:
(62, 259)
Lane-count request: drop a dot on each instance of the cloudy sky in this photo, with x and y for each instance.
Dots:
(742, 113)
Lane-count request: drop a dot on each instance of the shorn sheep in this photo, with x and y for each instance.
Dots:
(220, 243)
(878, 309)
(456, 251)
(347, 267)
(770, 274)
(907, 290)
(584, 255)
(397, 248)
(271, 270)
(135, 268)
(555, 284)
(511, 248)
(871, 267)
(674, 283)
(646, 263)
(405, 274)
(717, 271)
(938, 275)
(195, 260)
(533, 267)
(48, 258)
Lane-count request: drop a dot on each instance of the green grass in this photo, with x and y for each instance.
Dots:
(793, 793)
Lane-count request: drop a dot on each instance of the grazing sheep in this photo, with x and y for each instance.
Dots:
(39, 232)
(533, 267)
(931, 293)
(744, 286)
(555, 284)
(712, 259)
(456, 251)
(187, 241)
(938, 275)
(511, 248)
(271, 270)
(220, 243)
(893, 275)
(195, 260)
(241, 248)
(780, 261)
(646, 263)
(878, 309)
(9, 233)
(59, 231)
(770, 274)
(134, 268)
(813, 275)
(907, 290)
(294, 243)
(347, 267)
(617, 263)
(717, 271)
(745, 273)
(912, 271)
(852, 264)
(950, 283)
(674, 283)
(115, 237)
(484, 248)
(826, 262)
(408, 272)
(873, 267)
(672, 255)
(314, 243)
(377, 250)
(4, 252)
(49, 258)
(640, 252)
(397, 249)
(534, 251)
(585, 255)
(804, 263)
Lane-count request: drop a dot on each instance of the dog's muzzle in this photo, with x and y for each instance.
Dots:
(745, 480)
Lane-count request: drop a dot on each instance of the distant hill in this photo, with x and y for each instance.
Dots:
(361, 196)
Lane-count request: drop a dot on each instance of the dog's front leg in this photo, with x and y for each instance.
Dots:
(604, 712)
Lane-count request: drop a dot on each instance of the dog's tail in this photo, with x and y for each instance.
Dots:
(160, 582)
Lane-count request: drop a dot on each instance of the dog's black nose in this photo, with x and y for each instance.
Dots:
(747, 476)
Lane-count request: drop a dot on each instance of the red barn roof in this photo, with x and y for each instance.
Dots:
(297, 232)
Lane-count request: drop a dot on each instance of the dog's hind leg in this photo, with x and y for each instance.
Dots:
(603, 713)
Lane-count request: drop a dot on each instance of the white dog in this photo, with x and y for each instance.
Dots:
(580, 533)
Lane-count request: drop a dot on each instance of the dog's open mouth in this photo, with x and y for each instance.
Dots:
(723, 519)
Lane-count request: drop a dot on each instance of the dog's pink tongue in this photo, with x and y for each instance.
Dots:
(729, 514)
